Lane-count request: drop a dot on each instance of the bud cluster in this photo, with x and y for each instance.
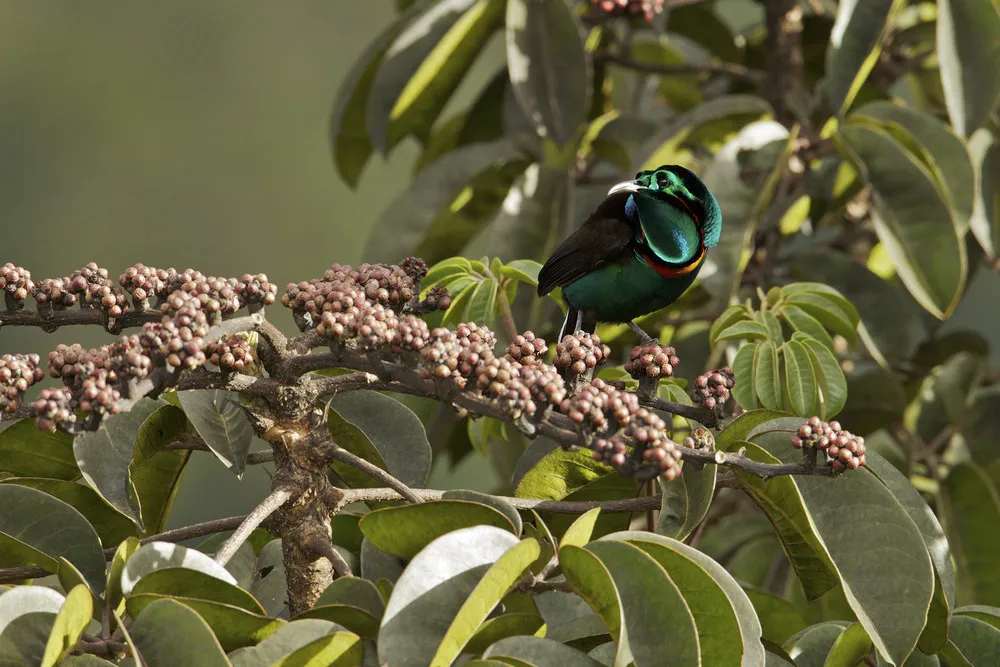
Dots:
(16, 284)
(645, 8)
(579, 352)
(526, 349)
(231, 354)
(844, 449)
(713, 388)
(653, 360)
(17, 373)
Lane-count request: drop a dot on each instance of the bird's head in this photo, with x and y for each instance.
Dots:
(677, 185)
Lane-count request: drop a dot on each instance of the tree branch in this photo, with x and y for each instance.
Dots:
(74, 317)
(344, 456)
(272, 502)
(732, 69)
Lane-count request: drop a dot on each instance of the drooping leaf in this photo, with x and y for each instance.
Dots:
(812, 645)
(157, 628)
(433, 588)
(912, 219)
(405, 530)
(221, 423)
(341, 649)
(855, 44)
(590, 579)
(550, 70)
(28, 451)
(560, 473)
(779, 618)
(970, 510)
(968, 35)
(71, 621)
(37, 528)
(382, 430)
(985, 221)
(159, 555)
(976, 641)
(686, 500)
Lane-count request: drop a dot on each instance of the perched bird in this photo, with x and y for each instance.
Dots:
(638, 252)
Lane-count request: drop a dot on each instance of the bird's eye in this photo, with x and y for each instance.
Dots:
(661, 179)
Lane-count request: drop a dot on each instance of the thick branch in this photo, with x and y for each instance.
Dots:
(272, 502)
(73, 317)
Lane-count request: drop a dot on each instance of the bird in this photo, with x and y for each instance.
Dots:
(637, 252)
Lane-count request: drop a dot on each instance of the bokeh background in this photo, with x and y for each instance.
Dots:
(194, 134)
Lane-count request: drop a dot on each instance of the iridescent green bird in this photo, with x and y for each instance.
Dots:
(638, 252)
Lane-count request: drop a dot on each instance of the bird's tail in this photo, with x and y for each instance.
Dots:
(576, 320)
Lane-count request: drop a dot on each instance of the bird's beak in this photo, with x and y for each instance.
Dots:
(628, 186)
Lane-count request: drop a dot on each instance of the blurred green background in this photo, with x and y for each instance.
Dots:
(193, 134)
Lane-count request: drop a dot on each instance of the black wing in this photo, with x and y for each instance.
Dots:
(605, 237)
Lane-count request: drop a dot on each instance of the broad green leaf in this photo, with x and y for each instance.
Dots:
(943, 398)
(650, 622)
(27, 616)
(581, 530)
(550, 70)
(538, 652)
(766, 381)
(370, 421)
(850, 647)
(686, 500)
(355, 591)
(482, 303)
(28, 599)
(869, 563)
(439, 73)
(233, 627)
(501, 627)
(855, 44)
(947, 155)
(71, 621)
(532, 214)
(740, 428)
(980, 423)
(591, 580)
(501, 576)
(287, 639)
(828, 312)
(496, 502)
(970, 511)
(560, 473)
(830, 376)
(968, 43)
(800, 380)
(803, 322)
(849, 312)
(912, 219)
(217, 417)
(810, 647)
(159, 555)
(37, 528)
(405, 530)
(729, 317)
(977, 640)
(110, 525)
(744, 390)
(190, 583)
(349, 141)
(433, 588)
(703, 25)
(28, 451)
(747, 330)
(269, 586)
(341, 649)
(569, 619)
(779, 618)
(113, 592)
(155, 472)
(156, 632)
(774, 331)
(377, 565)
(525, 270)
(105, 456)
(404, 223)
(985, 221)
(353, 618)
(445, 269)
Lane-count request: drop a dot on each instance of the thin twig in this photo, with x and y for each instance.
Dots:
(344, 456)
(266, 508)
(732, 69)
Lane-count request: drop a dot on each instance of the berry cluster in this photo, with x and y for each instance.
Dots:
(231, 354)
(844, 449)
(94, 289)
(90, 377)
(526, 349)
(653, 360)
(580, 352)
(54, 293)
(456, 354)
(142, 282)
(54, 409)
(176, 342)
(17, 373)
(645, 8)
(651, 447)
(713, 388)
(16, 284)
(700, 438)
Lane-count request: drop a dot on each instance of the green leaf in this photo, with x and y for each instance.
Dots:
(433, 588)
(159, 555)
(217, 417)
(830, 314)
(844, 308)
(830, 376)
(354, 619)
(729, 317)
(581, 530)
(812, 645)
(71, 621)
(37, 528)
(803, 322)
(349, 141)
(405, 222)
(855, 44)
(111, 526)
(779, 618)
(341, 649)
(740, 428)
(765, 375)
(113, 592)
(496, 502)
(774, 330)
(27, 616)
(746, 329)
(501, 576)
(532, 211)
(453, 266)
(538, 652)
(970, 510)
(460, 30)
(800, 380)
(482, 303)
(524, 270)
(186, 582)
(501, 627)
(373, 425)
(703, 26)
(405, 530)
(912, 219)
(156, 632)
(355, 591)
(649, 622)
(550, 70)
(105, 456)
(977, 641)
(744, 390)
(28, 451)
(686, 500)
(850, 647)
(559, 474)
(287, 639)
(156, 472)
(985, 221)
(968, 32)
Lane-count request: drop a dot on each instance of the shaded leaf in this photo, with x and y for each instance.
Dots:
(803, 322)
(482, 303)
(157, 628)
(158, 555)
(970, 510)
(855, 44)
(746, 329)
(968, 42)
(539, 652)
(978, 641)
(71, 621)
(985, 220)
(850, 647)
(501, 627)
(743, 389)
(686, 500)
(191, 583)
(217, 417)
(531, 215)
(496, 502)
(779, 618)
(113, 592)
(233, 627)
(827, 370)
(28, 451)
(590, 579)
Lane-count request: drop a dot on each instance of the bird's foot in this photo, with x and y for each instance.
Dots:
(644, 338)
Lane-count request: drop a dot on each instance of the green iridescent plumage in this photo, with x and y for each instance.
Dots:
(637, 252)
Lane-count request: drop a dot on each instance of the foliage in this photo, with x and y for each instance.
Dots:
(853, 148)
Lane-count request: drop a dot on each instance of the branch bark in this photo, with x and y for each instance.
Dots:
(267, 507)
